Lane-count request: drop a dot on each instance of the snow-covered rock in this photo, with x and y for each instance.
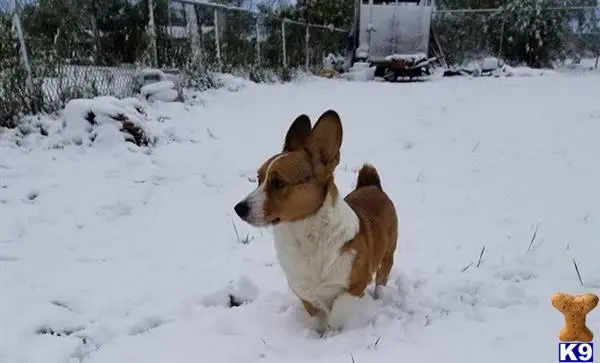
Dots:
(508, 71)
(156, 85)
(360, 72)
(490, 63)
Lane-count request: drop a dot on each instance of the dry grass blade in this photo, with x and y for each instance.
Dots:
(533, 238)
(467, 267)
(352, 357)
(377, 342)
(211, 135)
(578, 273)
(480, 256)
(236, 231)
(420, 177)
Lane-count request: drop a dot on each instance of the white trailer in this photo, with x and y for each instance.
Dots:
(393, 36)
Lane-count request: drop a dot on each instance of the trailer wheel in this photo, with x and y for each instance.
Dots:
(389, 75)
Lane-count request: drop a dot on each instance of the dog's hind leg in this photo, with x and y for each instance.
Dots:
(385, 267)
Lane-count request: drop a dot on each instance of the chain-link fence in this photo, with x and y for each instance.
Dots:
(533, 32)
(235, 40)
(52, 51)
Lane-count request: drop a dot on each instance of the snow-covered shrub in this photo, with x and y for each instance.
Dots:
(105, 120)
(467, 36)
(199, 78)
(263, 75)
(535, 31)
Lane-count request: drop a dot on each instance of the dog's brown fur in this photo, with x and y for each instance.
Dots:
(376, 242)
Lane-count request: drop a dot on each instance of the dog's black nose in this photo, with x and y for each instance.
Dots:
(242, 209)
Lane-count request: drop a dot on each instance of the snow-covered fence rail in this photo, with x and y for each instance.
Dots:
(536, 32)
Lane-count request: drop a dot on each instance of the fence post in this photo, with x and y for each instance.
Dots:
(502, 35)
(192, 30)
(217, 40)
(152, 34)
(307, 48)
(284, 55)
(18, 33)
(257, 25)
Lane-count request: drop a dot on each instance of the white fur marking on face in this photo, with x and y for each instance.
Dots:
(256, 199)
(256, 202)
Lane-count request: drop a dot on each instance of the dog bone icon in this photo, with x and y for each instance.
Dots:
(575, 309)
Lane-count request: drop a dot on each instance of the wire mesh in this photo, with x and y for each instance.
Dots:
(468, 35)
(209, 54)
(172, 35)
(238, 37)
(48, 58)
(271, 44)
(12, 76)
(581, 38)
(295, 45)
(324, 41)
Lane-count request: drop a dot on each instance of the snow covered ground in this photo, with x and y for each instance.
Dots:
(115, 254)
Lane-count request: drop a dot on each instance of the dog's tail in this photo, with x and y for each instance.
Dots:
(368, 176)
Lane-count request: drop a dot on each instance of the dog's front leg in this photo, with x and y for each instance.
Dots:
(318, 319)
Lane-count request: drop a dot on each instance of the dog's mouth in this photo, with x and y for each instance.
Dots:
(261, 223)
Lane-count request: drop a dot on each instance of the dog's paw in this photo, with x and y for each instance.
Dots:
(384, 293)
(379, 292)
(343, 308)
(318, 323)
(329, 333)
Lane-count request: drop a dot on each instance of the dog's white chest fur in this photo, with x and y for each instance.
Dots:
(310, 255)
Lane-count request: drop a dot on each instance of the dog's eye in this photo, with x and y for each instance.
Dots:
(278, 183)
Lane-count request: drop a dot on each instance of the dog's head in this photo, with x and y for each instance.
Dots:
(293, 184)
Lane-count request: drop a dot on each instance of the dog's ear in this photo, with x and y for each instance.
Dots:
(298, 134)
(326, 140)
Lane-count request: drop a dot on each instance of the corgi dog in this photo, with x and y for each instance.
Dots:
(329, 247)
